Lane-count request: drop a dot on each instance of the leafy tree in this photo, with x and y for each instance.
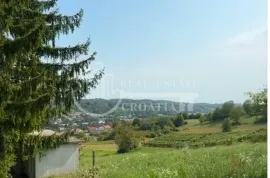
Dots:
(236, 114)
(126, 138)
(198, 115)
(185, 115)
(179, 121)
(38, 79)
(136, 122)
(227, 108)
(259, 104)
(209, 116)
(217, 114)
(248, 107)
(227, 125)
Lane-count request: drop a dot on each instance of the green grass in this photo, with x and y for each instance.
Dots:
(234, 154)
(194, 126)
(241, 160)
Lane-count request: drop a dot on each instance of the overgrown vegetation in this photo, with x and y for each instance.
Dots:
(241, 160)
(178, 140)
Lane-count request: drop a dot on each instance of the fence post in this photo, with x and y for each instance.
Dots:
(94, 158)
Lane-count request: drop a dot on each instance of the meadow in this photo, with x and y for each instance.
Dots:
(241, 153)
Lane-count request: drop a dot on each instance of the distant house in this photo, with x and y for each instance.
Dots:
(59, 161)
(92, 129)
(107, 127)
(101, 128)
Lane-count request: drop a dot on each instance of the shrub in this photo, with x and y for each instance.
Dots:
(166, 130)
(260, 120)
(202, 119)
(179, 121)
(151, 135)
(136, 122)
(227, 125)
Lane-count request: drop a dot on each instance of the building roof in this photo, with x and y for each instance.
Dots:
(45, 133)
(92, 128)
(48, 133)
(107, 127)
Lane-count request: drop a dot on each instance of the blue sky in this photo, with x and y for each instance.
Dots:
(158, 48)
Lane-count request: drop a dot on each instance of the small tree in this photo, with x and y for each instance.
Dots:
(179, 121)
(235, 114)
(185, 115)
(126, 138)
(202, 119)
(227, 125)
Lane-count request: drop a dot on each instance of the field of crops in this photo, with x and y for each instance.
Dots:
(181, 140)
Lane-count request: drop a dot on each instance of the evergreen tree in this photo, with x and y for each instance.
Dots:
(38, 78)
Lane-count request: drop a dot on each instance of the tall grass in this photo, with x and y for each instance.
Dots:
(242, 160)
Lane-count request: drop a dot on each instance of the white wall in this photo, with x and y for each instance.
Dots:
(62, 160)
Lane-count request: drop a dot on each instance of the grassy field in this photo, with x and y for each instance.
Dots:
(194, 126)
(242, 158)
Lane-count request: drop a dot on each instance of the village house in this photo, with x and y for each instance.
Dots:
(59, 161)
(92, 130)
(107, 127)
(98, 129)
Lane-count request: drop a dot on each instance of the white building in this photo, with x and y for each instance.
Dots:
(59, 161)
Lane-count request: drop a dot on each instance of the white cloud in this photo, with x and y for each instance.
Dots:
(246, 37)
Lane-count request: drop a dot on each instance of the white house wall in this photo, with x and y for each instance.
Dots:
(62, 160)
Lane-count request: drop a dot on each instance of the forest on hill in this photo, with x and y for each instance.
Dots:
(143, 108)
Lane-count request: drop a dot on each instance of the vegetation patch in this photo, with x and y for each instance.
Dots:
(178, 140)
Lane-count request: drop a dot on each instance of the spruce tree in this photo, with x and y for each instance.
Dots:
(38, 79)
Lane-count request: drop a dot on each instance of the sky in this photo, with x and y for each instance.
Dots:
(199, 51)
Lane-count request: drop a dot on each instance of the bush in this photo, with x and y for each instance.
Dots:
(260, 120)
(202, 119)
(136, 122)
(151, 135)
(179, 121)
(166, 130)
(227, 125)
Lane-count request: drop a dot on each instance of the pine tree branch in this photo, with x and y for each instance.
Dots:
(25, 43)
(64, 53)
